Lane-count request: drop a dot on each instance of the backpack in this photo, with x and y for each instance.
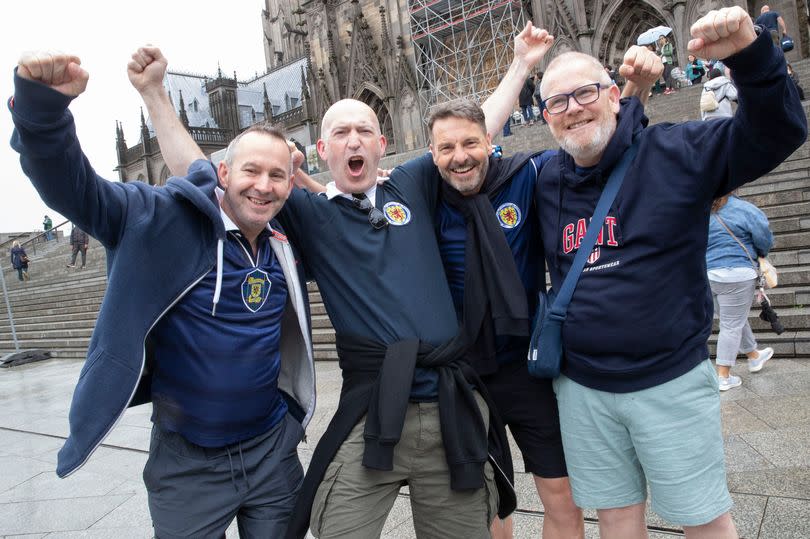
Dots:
(708, 101)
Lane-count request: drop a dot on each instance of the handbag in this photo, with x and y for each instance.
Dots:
(766, 272)
(545, 346)
(787, 43)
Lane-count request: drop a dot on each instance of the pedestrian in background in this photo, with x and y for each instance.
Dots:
(78, 242)
(695, 69)
(738, 234)
(19, 260)
(525, 100)
(47, 225)
(667, 53)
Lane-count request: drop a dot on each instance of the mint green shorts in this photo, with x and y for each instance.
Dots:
(668, 436)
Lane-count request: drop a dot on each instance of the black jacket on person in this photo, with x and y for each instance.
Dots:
(18, 258)
(78, 237)
(372, 376)
(526, 93)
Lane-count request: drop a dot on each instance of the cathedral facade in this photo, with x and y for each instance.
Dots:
(402, 56)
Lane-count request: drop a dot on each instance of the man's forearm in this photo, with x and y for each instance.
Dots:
(499, 106)
(305, 181)
(178, 148)
(642, 92)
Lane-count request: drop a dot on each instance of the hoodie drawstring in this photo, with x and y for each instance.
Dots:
(242, 462)
(230, 462)
(218, 288)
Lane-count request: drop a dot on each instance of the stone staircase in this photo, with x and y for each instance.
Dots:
(56, 309)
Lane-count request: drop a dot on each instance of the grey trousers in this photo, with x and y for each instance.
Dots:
(733, 301)
(197, 492)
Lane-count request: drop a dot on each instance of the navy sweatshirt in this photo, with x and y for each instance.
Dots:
(642, 311)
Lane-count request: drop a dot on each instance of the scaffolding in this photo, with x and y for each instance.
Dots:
(463, 47)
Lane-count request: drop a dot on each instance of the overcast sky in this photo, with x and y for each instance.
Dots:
(195, 36)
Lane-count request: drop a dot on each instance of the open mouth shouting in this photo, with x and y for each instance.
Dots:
(356, 165)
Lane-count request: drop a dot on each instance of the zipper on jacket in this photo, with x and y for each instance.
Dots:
(143, 362)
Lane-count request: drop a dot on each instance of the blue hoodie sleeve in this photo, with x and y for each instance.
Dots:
(51, 157)
(769, 125)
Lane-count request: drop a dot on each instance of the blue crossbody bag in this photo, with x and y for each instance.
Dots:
(545, 347)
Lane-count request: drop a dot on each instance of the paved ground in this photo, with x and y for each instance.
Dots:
(766, 427)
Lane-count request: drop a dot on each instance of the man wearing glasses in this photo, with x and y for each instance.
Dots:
(638, 396)
(408, 412)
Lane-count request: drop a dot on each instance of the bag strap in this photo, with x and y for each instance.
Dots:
(719, 220)
(566, 291)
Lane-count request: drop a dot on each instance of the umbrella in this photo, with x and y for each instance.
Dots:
(652, 35)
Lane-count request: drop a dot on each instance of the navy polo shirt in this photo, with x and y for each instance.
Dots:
(388, 284)
(216, 377)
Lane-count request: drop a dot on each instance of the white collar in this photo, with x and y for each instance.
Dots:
(332, 191)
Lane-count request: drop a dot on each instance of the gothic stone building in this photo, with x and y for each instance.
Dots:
(401, 56)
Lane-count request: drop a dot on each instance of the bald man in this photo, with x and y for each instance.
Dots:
(408, 413)
(773, 23)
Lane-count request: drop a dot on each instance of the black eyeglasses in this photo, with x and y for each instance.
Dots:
(375, 216)
(583, 95)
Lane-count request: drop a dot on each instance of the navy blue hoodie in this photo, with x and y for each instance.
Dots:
(642, 311)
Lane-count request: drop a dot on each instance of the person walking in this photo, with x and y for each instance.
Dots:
(19, 260)
(723, 92)
(525, 100)
(666, 51)
(738, 233)
(773, 23)
(78, 242)
(47, 225)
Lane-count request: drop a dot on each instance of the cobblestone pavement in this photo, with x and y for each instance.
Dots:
(766, 425)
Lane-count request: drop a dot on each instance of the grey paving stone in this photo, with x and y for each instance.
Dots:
(64, 515)
(740, 456)
(119, 463)
(786, 519)
(527, 525)
(17, 470)
(28, 445)
(736, 418)
(133, 437)
(785, 482)
(527, 498)
(400, 519)
(747, 513)
(780, 411)
(48, 486)
(133, 514)
(785, 448)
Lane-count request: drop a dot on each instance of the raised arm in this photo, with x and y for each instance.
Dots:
(530, 46)
(146, 71)
(640, 67)
(44, 135)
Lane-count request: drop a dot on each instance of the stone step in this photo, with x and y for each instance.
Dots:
(24, 334)
(790, 344)
(79, 307)
(792, 317)
(57, 294)
(798, 209)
